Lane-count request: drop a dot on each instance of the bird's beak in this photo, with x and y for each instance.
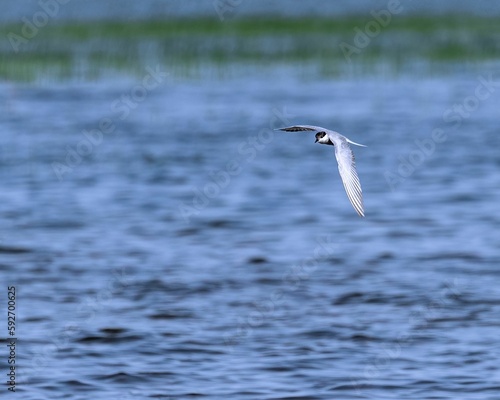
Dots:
(316, 141)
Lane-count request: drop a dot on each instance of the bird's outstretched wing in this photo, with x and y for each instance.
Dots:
(299, 128)
(347, 169)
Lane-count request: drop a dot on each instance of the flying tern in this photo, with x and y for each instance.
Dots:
(345, 160)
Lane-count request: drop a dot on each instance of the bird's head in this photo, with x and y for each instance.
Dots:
(322, 137)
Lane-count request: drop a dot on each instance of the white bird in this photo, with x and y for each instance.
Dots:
(345, 160)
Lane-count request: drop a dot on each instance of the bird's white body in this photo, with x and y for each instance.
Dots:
(345, 160)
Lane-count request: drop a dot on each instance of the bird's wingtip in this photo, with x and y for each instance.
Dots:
(356, 144)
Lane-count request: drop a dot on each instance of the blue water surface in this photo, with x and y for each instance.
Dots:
(174, 246)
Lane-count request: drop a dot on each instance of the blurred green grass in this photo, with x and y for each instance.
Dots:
(91, 50)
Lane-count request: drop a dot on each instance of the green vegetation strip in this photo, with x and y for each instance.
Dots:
(85, 49)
